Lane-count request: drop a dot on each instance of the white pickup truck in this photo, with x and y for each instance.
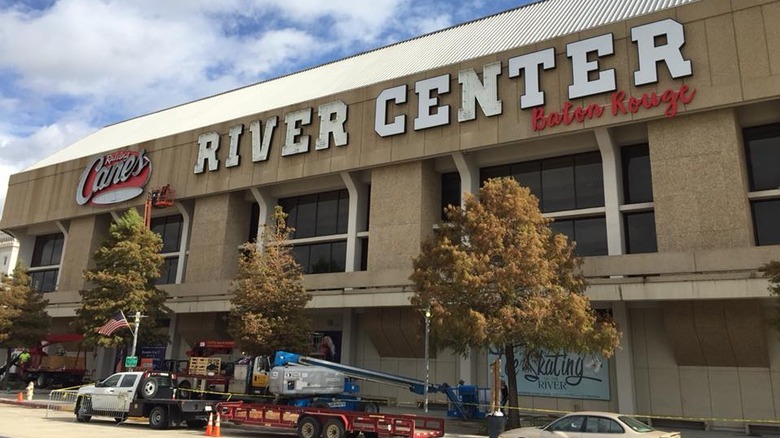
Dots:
(150, 394)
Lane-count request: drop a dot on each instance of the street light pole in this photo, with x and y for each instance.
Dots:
(135, 333)
(427, 360)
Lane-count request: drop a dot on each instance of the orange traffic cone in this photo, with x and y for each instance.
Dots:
(216, 427)
(208, 426)
(19, 396)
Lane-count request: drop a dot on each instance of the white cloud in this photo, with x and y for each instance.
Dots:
(81, 64)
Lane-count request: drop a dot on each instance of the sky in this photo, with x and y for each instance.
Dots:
(70, 67)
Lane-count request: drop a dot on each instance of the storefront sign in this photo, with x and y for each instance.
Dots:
(115, 177)
(561, 374)
(658, 45)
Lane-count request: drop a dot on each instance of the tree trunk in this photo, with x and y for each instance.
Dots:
(511, 374)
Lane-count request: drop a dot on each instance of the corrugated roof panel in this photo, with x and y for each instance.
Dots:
(529, 24)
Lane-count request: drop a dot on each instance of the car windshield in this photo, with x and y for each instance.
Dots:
(636, 425)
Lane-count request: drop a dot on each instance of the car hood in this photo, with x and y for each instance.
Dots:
(523, 432)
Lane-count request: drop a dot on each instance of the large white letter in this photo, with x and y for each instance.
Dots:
(235, 134)
(426, 101)
(472, 90)
(530, 63)
(649, 54)
(260, 148)
(208, 144)
(333, 116)
(384, 129)
(294, 121)
(580, 66)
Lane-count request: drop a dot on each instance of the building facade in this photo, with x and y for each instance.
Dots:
(650, 131)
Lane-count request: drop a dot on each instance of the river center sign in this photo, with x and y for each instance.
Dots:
(658, 44)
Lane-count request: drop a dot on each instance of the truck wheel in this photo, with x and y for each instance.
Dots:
(334, 428)
(309, 427)
(158, 418)
(183, 389)
(371, 408)
(149, 387)
(82, 408)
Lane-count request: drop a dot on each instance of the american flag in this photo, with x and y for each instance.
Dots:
(116, 322)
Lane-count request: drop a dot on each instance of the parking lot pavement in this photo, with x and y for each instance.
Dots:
(17, 417)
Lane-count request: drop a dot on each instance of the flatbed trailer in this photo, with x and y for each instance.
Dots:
(331, 423)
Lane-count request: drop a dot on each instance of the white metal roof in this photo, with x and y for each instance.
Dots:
(518, 27)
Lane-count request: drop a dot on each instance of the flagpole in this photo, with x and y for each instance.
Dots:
(135, 332)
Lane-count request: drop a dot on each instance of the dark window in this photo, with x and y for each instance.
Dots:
(602, 425)
(558, 184)
(640, 232)
(637, 181)
(48, 250)
(450, 191)
(322, 214)
(254, 222)
(572, 423)
(363, 254)
(590, 234)
(169, 229)
(563, 183)
(762, 149)
(588, 180)
(44, 281)
(318, 258)
(112, 381)
(766, 217)
(128, 381)
(168, 271)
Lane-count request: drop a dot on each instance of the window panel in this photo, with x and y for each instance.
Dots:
(168, 271)
(169, 230)
(493, 172)
(307, 217)
(338, 256)
(558, 184)
(766, 217)
(319, 258)
(343, 214)
(529, 175)
(637, 178)
(450, 191)
(44, 281)
(301, 255)
(363, 254)
(762, 146)
(640, 232)
(591, 236)
(589, 180)
(327, 214)
(289, 206)
(254, 222)
(47, 250)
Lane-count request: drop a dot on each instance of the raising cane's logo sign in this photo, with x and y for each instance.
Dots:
(113, 178)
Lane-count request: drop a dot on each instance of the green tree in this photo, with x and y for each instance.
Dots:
(126, 267)
(31, 323)
(268, 297)
(496, 275)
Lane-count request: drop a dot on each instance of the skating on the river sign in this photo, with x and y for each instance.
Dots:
(560, 374)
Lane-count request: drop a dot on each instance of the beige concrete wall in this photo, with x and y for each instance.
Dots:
(220, 223)
(404, 207)
(714, 393)
(699, 182)
(85, 235)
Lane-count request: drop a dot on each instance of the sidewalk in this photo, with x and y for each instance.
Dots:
(454, 428)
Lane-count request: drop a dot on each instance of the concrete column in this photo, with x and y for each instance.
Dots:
(266, 204)
(186, 227)
(469, 174)
(611, 169)
(347, 336)
(172, 349)
(358, 208)
(624, 361)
